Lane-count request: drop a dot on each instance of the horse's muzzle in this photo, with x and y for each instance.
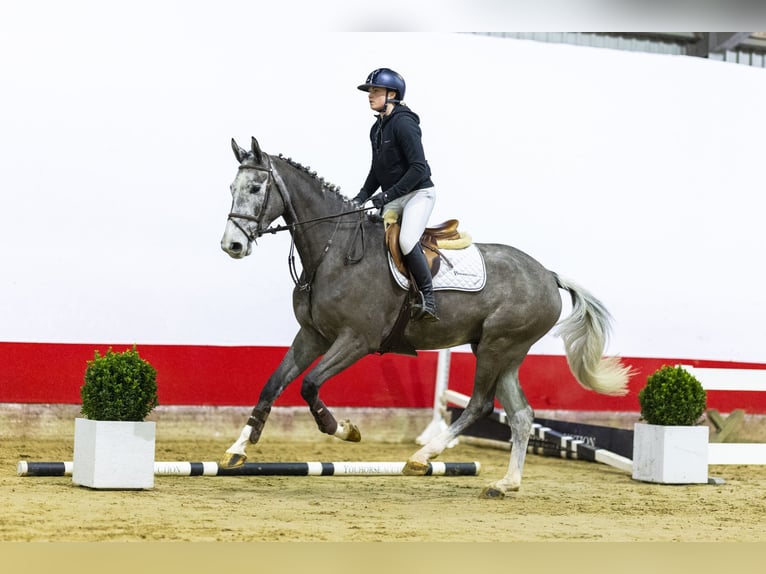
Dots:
(236, 250)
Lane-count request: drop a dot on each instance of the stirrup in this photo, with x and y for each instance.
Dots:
(422, 311)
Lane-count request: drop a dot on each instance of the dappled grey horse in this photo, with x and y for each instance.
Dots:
(347, 305)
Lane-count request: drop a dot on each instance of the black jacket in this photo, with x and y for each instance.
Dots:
(399, 164)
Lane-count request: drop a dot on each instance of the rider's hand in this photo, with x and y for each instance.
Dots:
(360, 198)
(379, 200)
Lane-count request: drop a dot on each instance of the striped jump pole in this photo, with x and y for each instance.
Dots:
(548, 442)
(26, 468)
(552, 443)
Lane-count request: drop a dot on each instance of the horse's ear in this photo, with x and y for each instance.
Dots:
(256, 149)
(239, 153)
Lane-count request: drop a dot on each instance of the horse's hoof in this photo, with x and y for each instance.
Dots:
(490, 492)
(414, 468)
(354, 435)
(232, 460)
(352, 432)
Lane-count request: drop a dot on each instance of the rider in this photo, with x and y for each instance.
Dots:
(399, 168)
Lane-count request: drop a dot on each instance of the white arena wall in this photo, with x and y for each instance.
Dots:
(639, 176)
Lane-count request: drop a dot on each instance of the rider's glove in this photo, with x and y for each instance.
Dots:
(379, 200)
(360, 198)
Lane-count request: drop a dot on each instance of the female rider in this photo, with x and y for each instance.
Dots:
(399, 168)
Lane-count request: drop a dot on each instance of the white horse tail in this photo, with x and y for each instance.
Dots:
(585, 333)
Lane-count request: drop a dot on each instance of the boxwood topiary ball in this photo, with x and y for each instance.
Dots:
(672, 397)
(119, 387)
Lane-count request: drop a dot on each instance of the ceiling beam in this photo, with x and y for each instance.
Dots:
(716, 42)
(722, 41)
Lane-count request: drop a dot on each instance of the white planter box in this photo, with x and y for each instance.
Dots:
(113, 454)
(670, 454)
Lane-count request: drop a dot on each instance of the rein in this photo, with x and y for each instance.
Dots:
(278, 228)
(275, 179)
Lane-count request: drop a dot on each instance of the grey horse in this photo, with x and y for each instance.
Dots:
(348, 306)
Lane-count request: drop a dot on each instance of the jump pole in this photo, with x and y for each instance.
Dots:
(27, 468)
(555, 443)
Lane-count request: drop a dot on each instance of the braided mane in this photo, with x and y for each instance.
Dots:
(326, 185)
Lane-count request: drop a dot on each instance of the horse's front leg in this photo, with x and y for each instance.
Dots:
(344, 352)
(306, 347)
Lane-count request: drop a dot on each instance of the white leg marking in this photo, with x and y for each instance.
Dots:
(239, 446)
(433, 447)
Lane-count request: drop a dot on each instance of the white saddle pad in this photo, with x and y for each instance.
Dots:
(461, 270)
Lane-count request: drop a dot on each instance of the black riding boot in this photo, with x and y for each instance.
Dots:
(418, 266)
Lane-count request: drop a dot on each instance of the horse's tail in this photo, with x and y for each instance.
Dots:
(585, 333)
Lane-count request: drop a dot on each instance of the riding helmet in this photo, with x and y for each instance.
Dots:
(384, 78)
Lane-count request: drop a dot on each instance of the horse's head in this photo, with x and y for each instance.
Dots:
(255, 202)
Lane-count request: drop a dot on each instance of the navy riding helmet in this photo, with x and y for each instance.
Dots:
(385, 78)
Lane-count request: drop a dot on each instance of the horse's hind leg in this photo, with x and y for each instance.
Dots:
(480, 405)
(520, 418)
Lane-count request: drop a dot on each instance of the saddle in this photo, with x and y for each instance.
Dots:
(444, 235)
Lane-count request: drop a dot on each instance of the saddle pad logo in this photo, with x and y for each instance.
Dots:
(461, 270)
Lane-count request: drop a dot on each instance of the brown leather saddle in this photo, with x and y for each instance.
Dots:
(444, 235)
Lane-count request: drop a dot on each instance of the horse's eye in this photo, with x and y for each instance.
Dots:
(256, 187)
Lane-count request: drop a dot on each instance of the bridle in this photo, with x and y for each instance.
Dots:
(274, 180)
(270, 181)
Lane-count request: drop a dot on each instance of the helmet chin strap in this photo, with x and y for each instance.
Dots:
(385, 104)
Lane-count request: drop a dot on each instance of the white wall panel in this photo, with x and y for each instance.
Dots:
(637, 175)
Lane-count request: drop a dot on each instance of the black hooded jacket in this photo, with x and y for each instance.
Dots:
(399, 164)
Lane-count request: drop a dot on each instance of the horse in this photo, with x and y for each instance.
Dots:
(348, 306)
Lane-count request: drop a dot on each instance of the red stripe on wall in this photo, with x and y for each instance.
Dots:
(210, 375)
(548, 384)
(213, 375)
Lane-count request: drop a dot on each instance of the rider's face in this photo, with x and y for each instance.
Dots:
(377, 98)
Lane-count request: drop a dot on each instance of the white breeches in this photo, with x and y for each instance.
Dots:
(414, 208)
